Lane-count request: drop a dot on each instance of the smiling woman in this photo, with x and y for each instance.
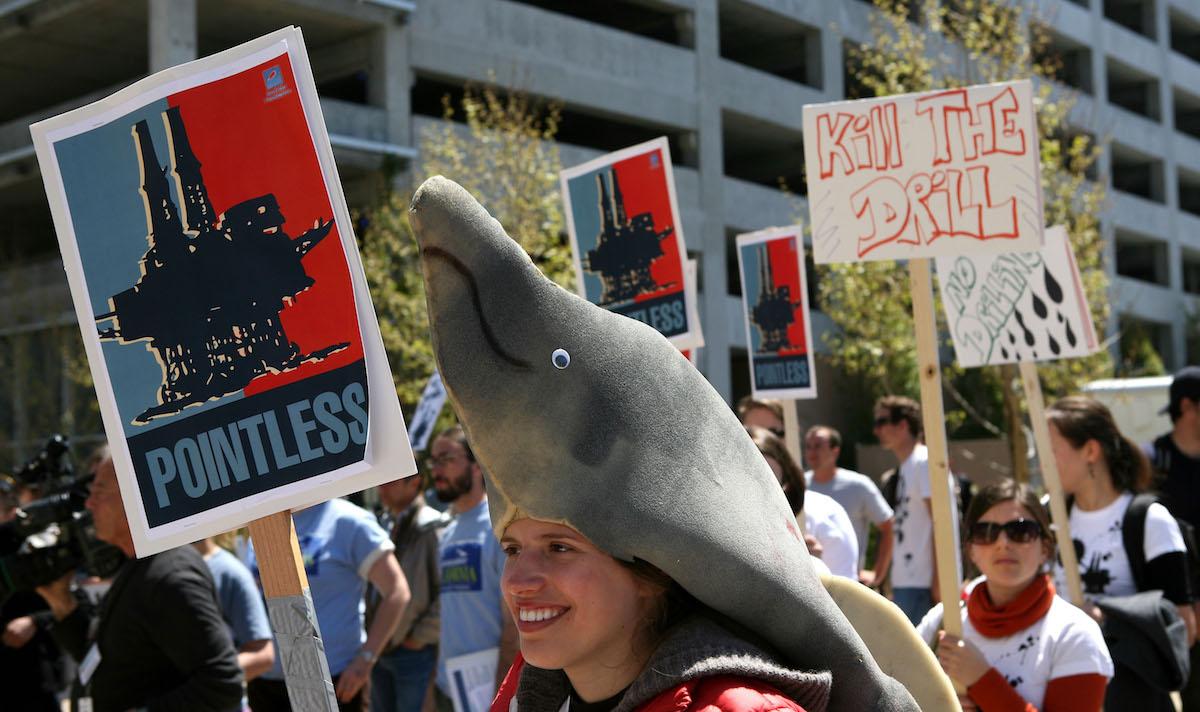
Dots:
(611, 635)
(1022, 647)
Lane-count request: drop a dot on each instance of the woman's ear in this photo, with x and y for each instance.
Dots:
(1092, 451)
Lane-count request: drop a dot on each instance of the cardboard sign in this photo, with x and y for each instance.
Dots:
(775, 302)
(433, 398)
(216, 281)
(627, 239)
(940, 173)
(1025, 306)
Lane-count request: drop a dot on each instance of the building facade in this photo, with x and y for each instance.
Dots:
(724, 80)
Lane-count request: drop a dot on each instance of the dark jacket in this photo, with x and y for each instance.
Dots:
(699, 666)
(162, 642)
(416, 533)
(1148, 643)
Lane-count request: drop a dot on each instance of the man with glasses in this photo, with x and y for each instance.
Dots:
(473, 618)
(857, 494)
(914, 569)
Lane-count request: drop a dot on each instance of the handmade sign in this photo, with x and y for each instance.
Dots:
(689, 351)
(226, 320)
(433, 398)
(627, 239)
(775, 302)
(946, 172)
(1024, 306)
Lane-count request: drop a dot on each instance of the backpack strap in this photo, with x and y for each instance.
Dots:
(1133, 536)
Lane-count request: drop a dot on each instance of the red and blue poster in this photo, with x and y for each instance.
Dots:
(217, 284)
(627, 240)
(778, 324)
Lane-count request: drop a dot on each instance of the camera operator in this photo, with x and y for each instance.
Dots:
(30, 662)
(157, 640)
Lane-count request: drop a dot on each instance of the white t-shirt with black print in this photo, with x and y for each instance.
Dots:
(912, 557)
(1064, 642)
(1099, 546)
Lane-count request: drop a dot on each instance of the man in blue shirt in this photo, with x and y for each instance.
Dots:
(343, 548)
(471, 560)
(242, 609)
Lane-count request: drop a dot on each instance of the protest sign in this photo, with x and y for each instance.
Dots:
(627, 239)
(433, 398)
(696, 341)
(775, 304)
(473, 680)
(217, 283)
(944, 172)
(1025, 306)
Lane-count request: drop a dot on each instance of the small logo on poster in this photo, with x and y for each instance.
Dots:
(274, 83)
(654, 160)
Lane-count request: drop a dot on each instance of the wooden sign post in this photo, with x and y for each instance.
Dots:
(945, 509)
(293, 618)
(791, 431)
(1058, 502)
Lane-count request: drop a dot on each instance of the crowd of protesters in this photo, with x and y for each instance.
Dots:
(400, 592)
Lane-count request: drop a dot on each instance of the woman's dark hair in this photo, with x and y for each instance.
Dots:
(455, 433)
(1010, 491)
(674, 605)
(1080, 419)
(793, 477)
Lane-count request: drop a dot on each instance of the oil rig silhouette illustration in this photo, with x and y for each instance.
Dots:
(774, 311)
(625, 248)
(212, 287)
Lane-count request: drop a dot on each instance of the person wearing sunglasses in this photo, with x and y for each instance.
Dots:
(1101, 472)
(1022, 646)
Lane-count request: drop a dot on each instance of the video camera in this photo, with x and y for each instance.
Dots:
(54, 535)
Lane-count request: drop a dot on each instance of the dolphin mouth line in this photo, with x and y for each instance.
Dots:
(488, 334)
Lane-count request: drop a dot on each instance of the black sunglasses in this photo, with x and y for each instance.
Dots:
(882, 421)
(1018, 531)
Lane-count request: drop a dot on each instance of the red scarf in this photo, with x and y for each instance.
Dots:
(994, 621)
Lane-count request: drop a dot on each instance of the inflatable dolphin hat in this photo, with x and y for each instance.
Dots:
(592, 419)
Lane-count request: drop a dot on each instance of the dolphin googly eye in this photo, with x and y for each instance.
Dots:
(560, 358)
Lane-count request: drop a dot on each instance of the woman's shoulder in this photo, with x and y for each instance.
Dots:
(723, 693)
(1078, 643)
(1066, 617)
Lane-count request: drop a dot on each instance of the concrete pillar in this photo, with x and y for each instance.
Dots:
(711, 240)
(389, 85)
(172, 30)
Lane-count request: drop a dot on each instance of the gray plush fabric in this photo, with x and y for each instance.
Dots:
(629, 444)
(695, 649)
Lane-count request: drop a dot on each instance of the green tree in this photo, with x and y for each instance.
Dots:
(504, 153)
(919, 45)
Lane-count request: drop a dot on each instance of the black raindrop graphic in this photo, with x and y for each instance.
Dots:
(1070, 334)
(1012, 338)
(1039, 307)
(1029, 340)
(1054, 347)
(1053, 289)
(1004, 352)
(1060, 318)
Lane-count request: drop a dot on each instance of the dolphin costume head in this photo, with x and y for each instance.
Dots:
(589, 418)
